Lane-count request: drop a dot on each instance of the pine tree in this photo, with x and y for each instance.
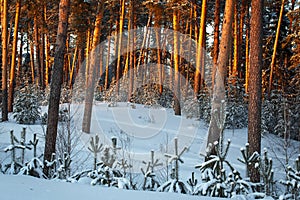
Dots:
(26, 106)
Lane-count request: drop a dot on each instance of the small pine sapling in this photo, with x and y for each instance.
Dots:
(175, 185)
(293, 182)
(215, 181)
(95, 147)
(150, 181)
(265, 168)
(15, 166)
(33, 168)
(52, 165)
(34, 143)
(248, 159)
(64, 170)
(192, 182)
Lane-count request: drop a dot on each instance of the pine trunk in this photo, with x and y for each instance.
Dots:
(56, 81)
(177, 108)
(275, 48)
(12, 81)
(216, 40)
(4, 60)
(200, 49)
(91, 78)
(216, 125)
(255, 88)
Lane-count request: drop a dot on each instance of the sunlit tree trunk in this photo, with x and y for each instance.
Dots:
(91, 78)
(4, 60)
(236, 44)
(12, 80)
(131, 49)
(275, 48)
(216, 126)
(37, 51)
(118, 72)
(56, 81)
(216, 40)
(200, 49)
(177, 108)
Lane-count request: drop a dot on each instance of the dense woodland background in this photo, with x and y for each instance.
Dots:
(33, 48)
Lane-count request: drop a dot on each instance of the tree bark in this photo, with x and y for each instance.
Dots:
(216, 40)
(275, 48)
(200, 49)
(4, 60)
(12, 81)
(56, 81)
(255, 88)
(90, 84)
(177, 95)
(217, 120)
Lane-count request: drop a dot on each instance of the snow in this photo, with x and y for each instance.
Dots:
(29, 188)
(145, 129)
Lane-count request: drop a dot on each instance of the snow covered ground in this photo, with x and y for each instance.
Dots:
(139, 130)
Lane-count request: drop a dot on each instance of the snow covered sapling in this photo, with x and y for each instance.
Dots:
(59, 167)
(265, 168)
(15, 166)
(110, 153)
(175, 185)
(150, 181)
(293, 182)
(95, 147)
(33, 168)
(215, 181)
(192, 182)
(34, 143)
(248, 159)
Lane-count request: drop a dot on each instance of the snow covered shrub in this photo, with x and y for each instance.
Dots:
(175, 184)
(107, 176)
(236, 108)
(33, 168)
(267, 173)
(26, 106)
(44, 118)
(150, 180)
(293, 182)
(59, 168)
(272, 114)
(204, 99)
(149, 95)
(191, 108)
(217, 181)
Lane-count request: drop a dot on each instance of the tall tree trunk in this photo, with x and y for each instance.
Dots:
(177, 95)
(118, 72)
(56, 81)
(247, 49)
(19, 70)
(90, 84)
(216, 40)
(12, 81)
(47, 51)
(255, 88)
(37, 51)
(200, 49)
(216, 126)
(275, 48)
(131, 49)
(4, 60)
(236, 44)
